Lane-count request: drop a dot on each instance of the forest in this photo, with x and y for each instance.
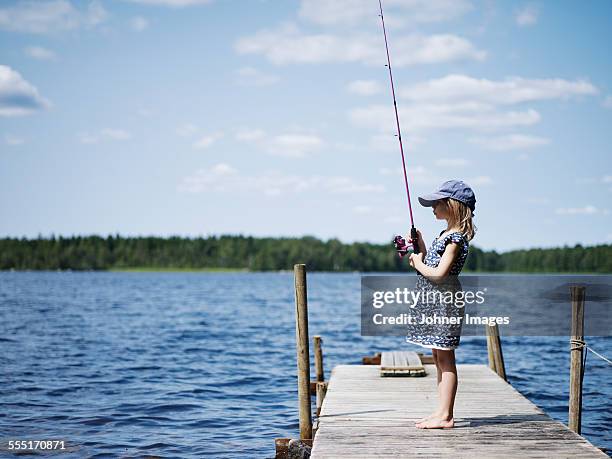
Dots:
(237, 252)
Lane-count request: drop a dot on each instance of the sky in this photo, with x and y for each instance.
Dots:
(275, 118)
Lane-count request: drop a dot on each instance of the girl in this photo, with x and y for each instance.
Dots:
(454, 202)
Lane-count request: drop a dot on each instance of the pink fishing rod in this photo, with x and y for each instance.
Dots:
(399, 242)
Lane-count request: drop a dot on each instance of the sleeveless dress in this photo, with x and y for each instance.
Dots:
(439, 335)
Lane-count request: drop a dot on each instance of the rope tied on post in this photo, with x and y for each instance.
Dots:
(578, 344)
(598, 354)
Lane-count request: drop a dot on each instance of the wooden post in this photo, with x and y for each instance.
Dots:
(303, 352)
(321, 391)
(318, 355)
(576, 356)
(496, 350)
(490, 350)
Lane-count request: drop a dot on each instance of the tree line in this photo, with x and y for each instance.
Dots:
(270, 254)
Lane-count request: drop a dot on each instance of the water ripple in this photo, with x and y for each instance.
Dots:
(197, 365)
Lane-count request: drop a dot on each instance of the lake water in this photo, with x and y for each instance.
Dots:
(203, 364)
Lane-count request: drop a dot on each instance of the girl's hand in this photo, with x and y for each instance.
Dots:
(415, 258)
(421, 242)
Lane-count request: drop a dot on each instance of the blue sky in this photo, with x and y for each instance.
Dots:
(274, 118)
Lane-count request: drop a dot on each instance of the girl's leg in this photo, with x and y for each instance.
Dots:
(447, 388)
(434, 353)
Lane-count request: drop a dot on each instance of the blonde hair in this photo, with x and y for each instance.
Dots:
(460, 216)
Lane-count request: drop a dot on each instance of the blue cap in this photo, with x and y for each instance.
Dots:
(454, 189)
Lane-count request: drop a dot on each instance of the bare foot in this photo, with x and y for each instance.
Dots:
(437, 422)
(427, 418)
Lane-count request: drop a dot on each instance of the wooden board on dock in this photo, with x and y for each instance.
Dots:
(401, 363)
(364, 415)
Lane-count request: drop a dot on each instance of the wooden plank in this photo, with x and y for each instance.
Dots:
(401, 360)
(364, 415)
(401, 363)
(386, 360)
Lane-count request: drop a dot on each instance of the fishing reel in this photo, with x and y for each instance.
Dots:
(401, 246)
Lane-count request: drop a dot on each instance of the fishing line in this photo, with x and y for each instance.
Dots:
(399, 242)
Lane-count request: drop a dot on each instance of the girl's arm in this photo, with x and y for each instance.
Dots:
(441, 271)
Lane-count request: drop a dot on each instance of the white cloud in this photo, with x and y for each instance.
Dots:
(250, 135)
(172, 3)
(224, 179)
(356, 12)
(385, 143)
(586, 210)
(538, 200)
(511, 90)
(451, 162)
(364, 87)
(388, 141)
(593, 180)
(104, 134)
(510, 142)
(287, 44)
(291, 145)
(40, 53)
(13, 141)
(96, 14)
(388, 171)
(187, 130)
(223, 169)
(17, 96)
(416, 174)
(207, 140)
(250, 76)
(585, 180)
(420, 175)
(294, 145)
(394, 219)
(139, 23)
(460, 101)
(419, 117)
(479, 180)
(527, 16)
(85, 137)
(362, 210)
(115, 134)
(607, 102)
(49, 16)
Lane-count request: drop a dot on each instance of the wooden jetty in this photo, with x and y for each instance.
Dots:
(367, 411)
(365, 415)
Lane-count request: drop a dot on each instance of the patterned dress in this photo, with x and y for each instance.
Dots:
(439, 335)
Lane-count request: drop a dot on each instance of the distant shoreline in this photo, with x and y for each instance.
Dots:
(229, 253)
(277, 271)
(139, 269)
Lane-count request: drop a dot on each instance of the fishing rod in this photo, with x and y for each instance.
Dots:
(398, 241)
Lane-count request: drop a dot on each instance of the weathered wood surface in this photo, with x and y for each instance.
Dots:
(364, 415)
(303, 353)
(401, 363)
(576, 359)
